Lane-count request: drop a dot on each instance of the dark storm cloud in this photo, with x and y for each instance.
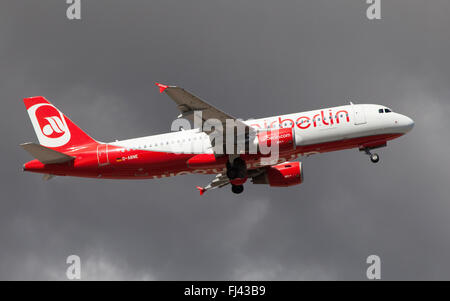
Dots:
(252, 59)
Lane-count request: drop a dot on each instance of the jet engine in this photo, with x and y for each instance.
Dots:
(281, 175)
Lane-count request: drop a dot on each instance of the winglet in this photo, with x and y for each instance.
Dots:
(201, 189)
(161, 87)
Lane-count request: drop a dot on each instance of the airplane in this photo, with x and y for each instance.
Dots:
(66, 150)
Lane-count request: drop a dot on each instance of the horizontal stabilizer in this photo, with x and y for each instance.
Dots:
(45, 154)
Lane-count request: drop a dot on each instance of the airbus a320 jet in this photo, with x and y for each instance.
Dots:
(66, 150)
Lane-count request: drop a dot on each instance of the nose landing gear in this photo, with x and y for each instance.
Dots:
(375, 158)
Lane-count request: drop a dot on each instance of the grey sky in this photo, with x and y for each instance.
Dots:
(252, 59)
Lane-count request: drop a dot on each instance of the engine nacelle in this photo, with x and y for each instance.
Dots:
(283, 137)
(281, 175)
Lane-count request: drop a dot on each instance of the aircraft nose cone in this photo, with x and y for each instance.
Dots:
(407, 124)
(411, 123)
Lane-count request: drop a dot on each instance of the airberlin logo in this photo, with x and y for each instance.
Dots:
(304, 122)
(49, 124)
(55, 127)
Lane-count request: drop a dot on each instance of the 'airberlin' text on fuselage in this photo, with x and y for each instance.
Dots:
(304, 122)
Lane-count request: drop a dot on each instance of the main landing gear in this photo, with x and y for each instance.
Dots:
(236, 170)
(237, 188)
(237, 173)
(373, 157)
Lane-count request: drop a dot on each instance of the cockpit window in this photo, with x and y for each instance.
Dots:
(387, 110)
(380, 111)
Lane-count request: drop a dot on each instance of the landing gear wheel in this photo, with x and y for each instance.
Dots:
(236, 170)
(239, 163)
(237, 188)
(374, 158)
(232, 173)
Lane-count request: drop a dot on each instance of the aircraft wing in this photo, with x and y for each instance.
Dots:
(222, 180)
(219, 181)
(190, 105)
(187, 103)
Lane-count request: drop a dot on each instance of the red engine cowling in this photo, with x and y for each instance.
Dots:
(281, 175)
(284, 137)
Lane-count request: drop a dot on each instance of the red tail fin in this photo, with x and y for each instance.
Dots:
(53, 129)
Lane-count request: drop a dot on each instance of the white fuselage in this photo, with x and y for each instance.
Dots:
(311, 127)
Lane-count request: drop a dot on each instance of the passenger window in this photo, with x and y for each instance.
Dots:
(387, 110)
(380, 111)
